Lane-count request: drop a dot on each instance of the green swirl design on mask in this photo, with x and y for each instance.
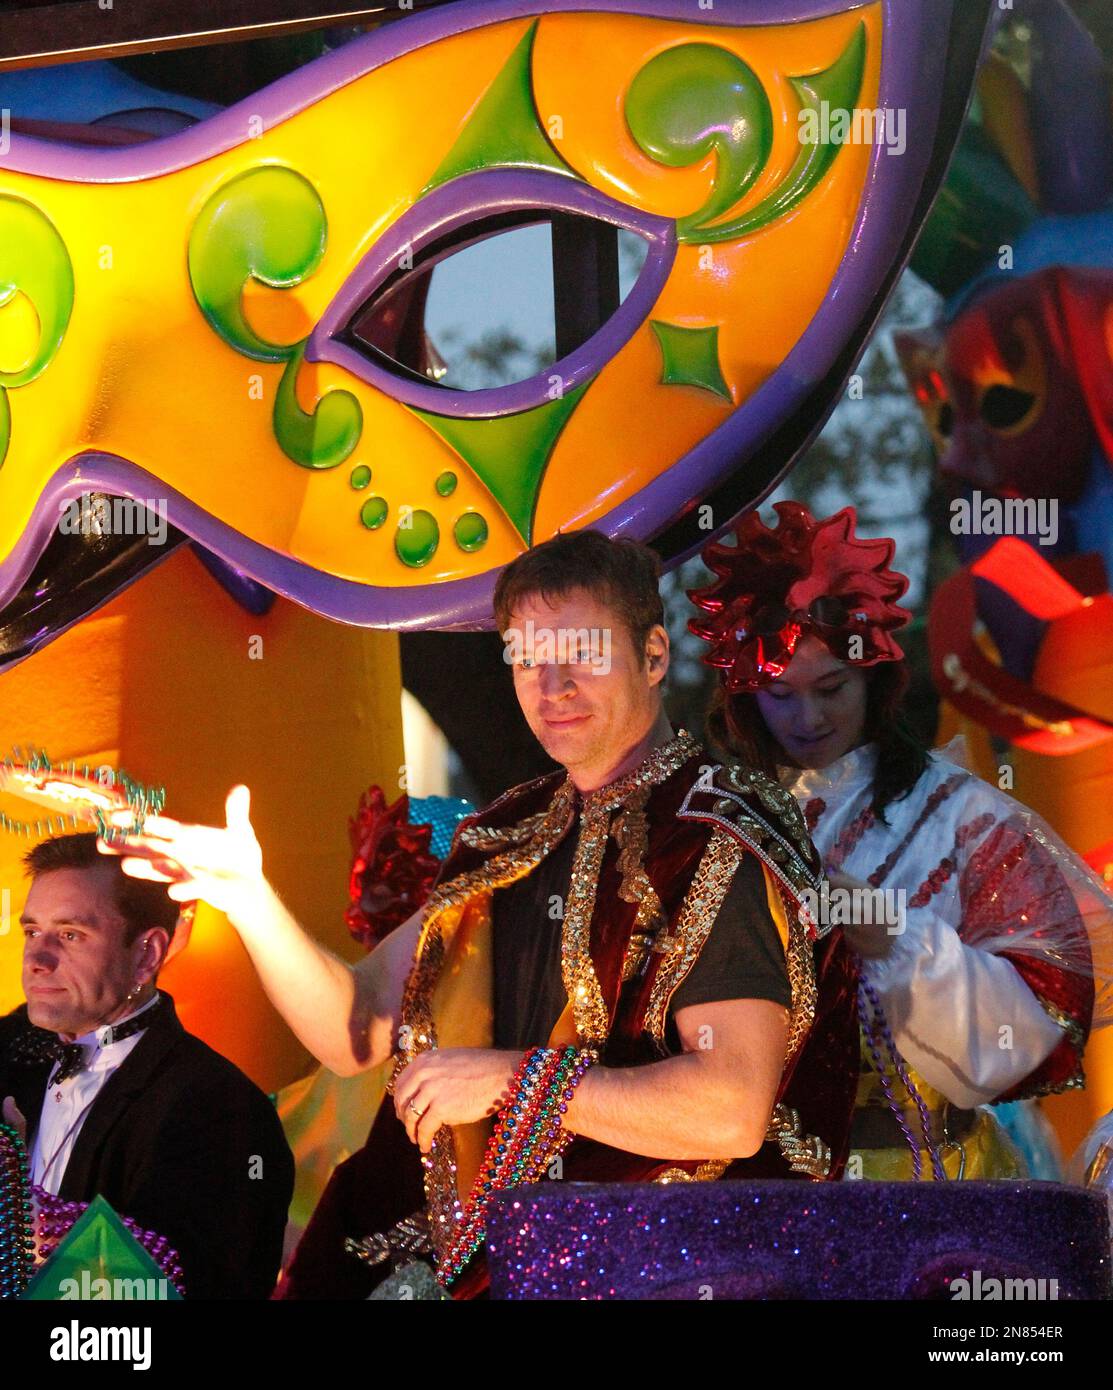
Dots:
(269, 225)
(34, 262)
(322, 438)
(698, 97)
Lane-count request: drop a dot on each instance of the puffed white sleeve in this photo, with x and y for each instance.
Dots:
(963, 1017)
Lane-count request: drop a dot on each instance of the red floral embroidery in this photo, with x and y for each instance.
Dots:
(931, 805)
(973, 828)
(812, 812)
(932, 884)
(845, 844)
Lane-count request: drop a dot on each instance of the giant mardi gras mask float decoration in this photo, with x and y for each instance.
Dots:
(215, 320)
(246, 253)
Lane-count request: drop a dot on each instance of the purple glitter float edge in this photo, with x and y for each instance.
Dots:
(793, 1240)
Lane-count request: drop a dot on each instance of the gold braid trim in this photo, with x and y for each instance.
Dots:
(631, 833)
(581, 984)
(418, 1032)
(697, 916)
(524, 846)
(805, 1153)
(589, 1008)
(800, 963)
(710, 1171)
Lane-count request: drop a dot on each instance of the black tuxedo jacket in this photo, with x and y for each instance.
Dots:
(185, 1144)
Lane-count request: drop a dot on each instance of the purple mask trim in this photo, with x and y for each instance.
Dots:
(254, 598)
(451, 208)
(464, 603)
(300, 89)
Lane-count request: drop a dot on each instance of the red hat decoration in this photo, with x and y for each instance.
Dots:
(802, 576)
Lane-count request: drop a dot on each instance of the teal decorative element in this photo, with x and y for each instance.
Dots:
(373, 512)
(323, 438)
(34, 262)
(509, 453)
(695, 98)
(360, 477)
(470, 531)
(698, 97)
(691, 357)
(504, 129)
(268, 224)
(416, 538)
(446, 484)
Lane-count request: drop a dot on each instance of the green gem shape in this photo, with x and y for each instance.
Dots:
(691, 357)
(504, 128)
(373, 513)
(98, 1242)
(446, 484)
(470, 531)
(416, 542)
(361, 476)
(509, 453)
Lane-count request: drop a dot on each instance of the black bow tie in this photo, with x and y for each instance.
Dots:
(71, 1056)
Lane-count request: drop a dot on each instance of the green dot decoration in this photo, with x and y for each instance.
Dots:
(446, 484)
(373, 512)
(470, 531)
(416, 541)
(361, 476)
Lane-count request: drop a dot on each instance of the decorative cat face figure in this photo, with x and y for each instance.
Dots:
(1018, 390)
(215, 320)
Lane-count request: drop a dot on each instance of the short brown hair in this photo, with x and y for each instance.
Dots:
(623, 574)
(142, 904)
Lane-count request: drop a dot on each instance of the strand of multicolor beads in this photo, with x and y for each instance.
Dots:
(528, 1135)
(17, 1241)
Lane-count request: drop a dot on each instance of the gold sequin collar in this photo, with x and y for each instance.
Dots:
(657, 767)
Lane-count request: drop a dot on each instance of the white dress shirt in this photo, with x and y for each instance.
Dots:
(66, 1106)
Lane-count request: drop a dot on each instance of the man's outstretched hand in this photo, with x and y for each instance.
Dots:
(221, 867)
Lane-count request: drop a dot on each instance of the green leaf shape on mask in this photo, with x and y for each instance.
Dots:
(690, 357)
(509, 454)
(697, 98)
(504, 130)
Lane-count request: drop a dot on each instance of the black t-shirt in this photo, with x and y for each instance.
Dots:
(742, 957)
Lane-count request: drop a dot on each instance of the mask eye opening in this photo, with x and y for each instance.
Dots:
(576, 270)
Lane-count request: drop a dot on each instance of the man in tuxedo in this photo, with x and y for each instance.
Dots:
(117, 1098)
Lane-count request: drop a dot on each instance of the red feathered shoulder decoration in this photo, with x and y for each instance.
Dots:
(392, 869)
